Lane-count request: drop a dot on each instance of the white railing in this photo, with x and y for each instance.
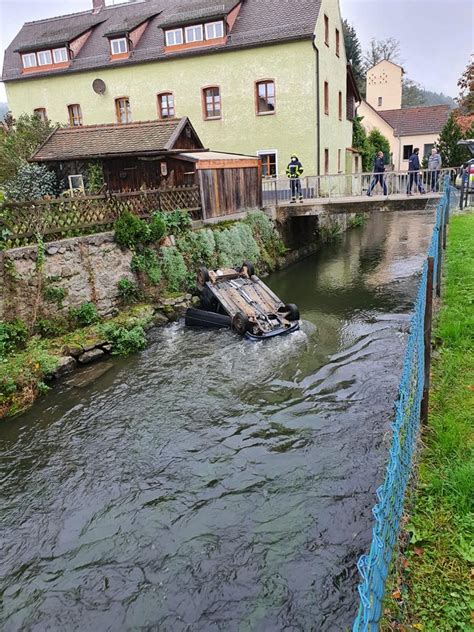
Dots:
(276, 191)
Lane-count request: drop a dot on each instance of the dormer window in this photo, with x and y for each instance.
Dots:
(44, 58)
(194, 34)
(214, 30)
(29, 60)
(60, 55)
(174, 37)
(119, 46)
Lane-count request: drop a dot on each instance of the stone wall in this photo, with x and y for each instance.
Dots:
(88, 268)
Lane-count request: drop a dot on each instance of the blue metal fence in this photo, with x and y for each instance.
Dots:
(374, 566)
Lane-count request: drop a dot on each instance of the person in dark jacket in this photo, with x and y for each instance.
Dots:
(379, 169)
(414, 172)
(294, 172)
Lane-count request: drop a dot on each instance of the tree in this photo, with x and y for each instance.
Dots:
(354, 54)
(379, 50)
(380, 143)
(414, 94)
(19, 141)
(466, 90)
(32, 182)
(452, 154)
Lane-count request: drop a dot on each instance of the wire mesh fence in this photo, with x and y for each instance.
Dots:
(374, 566)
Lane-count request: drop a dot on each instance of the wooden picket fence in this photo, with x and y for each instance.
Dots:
(58, 218)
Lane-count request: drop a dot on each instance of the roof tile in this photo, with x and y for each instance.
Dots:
(414, 121)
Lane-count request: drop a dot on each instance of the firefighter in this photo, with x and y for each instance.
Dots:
(294, 172)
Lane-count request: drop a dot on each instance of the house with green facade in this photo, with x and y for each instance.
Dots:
(256, 77)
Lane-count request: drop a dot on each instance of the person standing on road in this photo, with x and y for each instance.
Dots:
(414, 172)
(379, 169)
(434, 166)
(294, 171)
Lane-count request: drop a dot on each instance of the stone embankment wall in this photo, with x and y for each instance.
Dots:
(87, 268)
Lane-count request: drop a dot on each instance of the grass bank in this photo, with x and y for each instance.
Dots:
(431, 588)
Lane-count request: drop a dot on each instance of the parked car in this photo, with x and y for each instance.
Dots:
(238, 299)
(466, 171)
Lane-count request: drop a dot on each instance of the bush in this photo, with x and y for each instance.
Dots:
(268, 239)
(51, 327)
(128, 291)
(174, 269)
(147, 262)
(177, 222)
(84, 315)
(125, 340)
(157, 227)
(94, 178)
(13, 336)
(131, 231)
(31, 182)
(198, 248)
(54, 294)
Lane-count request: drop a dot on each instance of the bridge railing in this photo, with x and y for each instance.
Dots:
(277, 192)
(411, 408)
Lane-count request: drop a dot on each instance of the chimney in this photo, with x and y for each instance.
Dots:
(97, 5)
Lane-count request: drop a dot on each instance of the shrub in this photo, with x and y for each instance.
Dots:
(125, 340)
(84, 315)
(131, 231)
(198, 247)
(94, 178)
(177, 222)
(31, 182)
(13, 336)
(128, 291)
(147, 262)
(157, 227)
(51, 327)
(174, 269)
(54, 294)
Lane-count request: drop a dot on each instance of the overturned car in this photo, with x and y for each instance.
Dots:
(239, 300)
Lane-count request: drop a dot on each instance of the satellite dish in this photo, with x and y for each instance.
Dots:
(98, 86)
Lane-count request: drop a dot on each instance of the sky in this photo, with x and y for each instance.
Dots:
(436, 36)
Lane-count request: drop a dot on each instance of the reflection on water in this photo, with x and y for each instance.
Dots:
(210, 483)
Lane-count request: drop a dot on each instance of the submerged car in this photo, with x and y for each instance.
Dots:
(238, 299)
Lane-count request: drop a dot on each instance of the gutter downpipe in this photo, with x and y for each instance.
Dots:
(318, 111)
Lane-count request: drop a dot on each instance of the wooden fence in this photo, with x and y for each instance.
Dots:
(58, 218)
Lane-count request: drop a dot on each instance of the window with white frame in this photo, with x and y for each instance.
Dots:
(44, 58)
(60, 55)
(174, 37)
(214, 30)
(119, 46)
(29, 60)
(194, 33)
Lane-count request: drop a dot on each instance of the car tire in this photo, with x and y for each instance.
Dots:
(240, 323)
(293, 312)
(250, 268)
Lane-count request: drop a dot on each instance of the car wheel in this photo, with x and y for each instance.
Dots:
(293, 312)
(250, 268)
(240, 323)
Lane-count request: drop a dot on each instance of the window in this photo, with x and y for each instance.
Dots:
(212, 103)
(174, 37)
(29, 60)
(326, 161)
(119, 46)
(326, 30)
(44, 58)
(356, 161)
(326, 97)
(166, 105)
(340, 106)
(269, 163)
(60, 55)
(123, 111)
(194, 34)
(407, 151)
(339, 160)
(265, 97)
(214, 30)
(380, 101)
(41, 114)
(427, 149)
(75, 115)
(338, 43)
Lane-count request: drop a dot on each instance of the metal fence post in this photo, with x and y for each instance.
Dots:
(427, 341)
(440, 251)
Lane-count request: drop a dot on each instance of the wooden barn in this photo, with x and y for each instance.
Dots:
(155, 155)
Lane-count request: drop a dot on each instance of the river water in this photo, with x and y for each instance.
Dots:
(211, 483)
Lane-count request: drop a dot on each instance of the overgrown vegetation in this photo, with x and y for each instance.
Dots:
(430, 589)
(31, 182)
(94, 178)
(369, 145)
(13, 336)
(84, 315)
(125, 340)
(128, 291)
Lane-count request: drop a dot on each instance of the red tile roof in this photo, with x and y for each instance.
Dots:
(415, 121)
(109, 141)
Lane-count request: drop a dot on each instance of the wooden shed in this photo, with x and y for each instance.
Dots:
(229, 183)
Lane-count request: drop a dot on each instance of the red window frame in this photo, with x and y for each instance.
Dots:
(166, 109)
(211, 103)
(127, 110)
(266, 96)
(75, 114)
(41, 114)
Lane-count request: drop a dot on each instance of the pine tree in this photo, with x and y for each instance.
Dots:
(452, 154)
(354, 54)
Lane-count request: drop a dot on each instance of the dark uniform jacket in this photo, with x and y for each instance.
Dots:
(379, 165)
(414, 163)
(294, 169)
